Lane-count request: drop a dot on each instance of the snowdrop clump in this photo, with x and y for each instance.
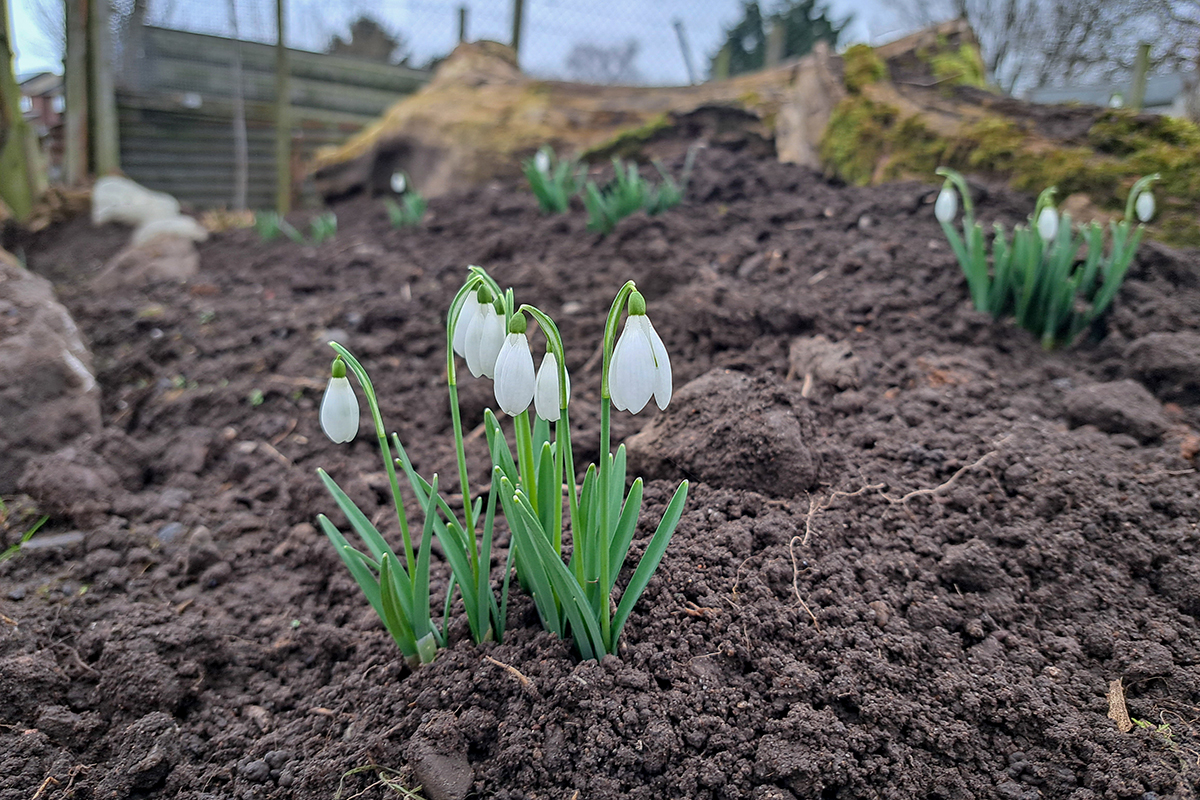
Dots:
(490, 332)
(1054, 278)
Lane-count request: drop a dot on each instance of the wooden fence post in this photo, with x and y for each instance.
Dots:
(283, 118)
(1141, 66)
(105, 142)
(75, 88)
(517, 15)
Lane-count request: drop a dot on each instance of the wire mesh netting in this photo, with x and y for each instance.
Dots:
(662, 42)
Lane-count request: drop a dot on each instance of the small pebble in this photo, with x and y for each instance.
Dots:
(17, 594)
(277, 758)
(169, 531)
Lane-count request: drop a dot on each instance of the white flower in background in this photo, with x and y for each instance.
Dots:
(485, 337)
(640, 367)
(1047, 224)
(339, 407)
(514, 370)
(470, 309)
(545, 396)
(399, 182)
(947, 204)
(541, 162)
(1145, 206)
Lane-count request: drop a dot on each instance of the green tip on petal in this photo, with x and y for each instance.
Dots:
(338, 370)
(637, 304)
(517, 324)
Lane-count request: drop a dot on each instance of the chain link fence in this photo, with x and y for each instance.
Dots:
(655, 42)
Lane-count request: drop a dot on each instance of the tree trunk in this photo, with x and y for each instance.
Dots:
(106, 155)
(22, 171)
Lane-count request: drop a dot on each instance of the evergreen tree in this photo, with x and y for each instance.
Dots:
(805, 23)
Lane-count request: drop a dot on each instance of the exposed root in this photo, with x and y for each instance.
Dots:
(796, 582)
(943, 487)
(814, 506)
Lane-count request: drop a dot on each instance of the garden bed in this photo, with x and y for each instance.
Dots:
(926, 593)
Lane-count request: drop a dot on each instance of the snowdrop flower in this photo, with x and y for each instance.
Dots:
(640, 367)
(514, 370)
(545, 394)
(485, 337)
(399, 182)
(947, 204)
(470, 309)
(541, 162)
(339, 407)
(1047, 224)
(1145, 206)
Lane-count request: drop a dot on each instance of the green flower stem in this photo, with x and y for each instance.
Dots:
(460, 452)
(369, 390)
(525, 456)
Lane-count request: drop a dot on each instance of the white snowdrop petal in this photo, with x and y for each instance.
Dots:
(545, 396)
(632, 373)
(662, 367)
(468, 312)
(541, 162)
(491, 339)
(514, 375)
(399, 182)
(339, 411)
(1145, 206)
(946, 206)
(471, 342)
(1047, 224)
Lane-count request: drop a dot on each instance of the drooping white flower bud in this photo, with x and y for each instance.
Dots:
(470, 309)
(545, 396)
(399, 182)
(640, 367)
(947, 204)
(514, 370)
(1145, 207)
(1047, 224)
(339, 407)
(541, 162)
(485, 337)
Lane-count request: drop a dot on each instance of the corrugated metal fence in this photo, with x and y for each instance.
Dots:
(175, 110)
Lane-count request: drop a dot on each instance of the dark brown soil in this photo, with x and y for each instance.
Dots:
(935, 608)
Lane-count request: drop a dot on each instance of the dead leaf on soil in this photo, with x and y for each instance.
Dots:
(1117, 710)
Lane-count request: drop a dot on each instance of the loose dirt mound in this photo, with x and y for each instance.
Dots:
(940, 617)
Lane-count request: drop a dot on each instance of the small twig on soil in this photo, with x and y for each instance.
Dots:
(1155, 477)
(291, 426)
(796, 582)
(943, 487)
(516, 673)
(1118, 712)
(275, 454)
(42, 789)
(8, 620)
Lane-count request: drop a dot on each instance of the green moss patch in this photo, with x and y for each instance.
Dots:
(868, 141)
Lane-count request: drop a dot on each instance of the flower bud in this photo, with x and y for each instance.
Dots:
(1047, 224)
(541, 162)
(1145, 206)
(339, 407)
(545, 396)
(947, 204)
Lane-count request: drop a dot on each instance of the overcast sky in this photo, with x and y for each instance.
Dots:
(430, 27)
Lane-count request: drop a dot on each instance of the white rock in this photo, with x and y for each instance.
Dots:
(117, 199)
